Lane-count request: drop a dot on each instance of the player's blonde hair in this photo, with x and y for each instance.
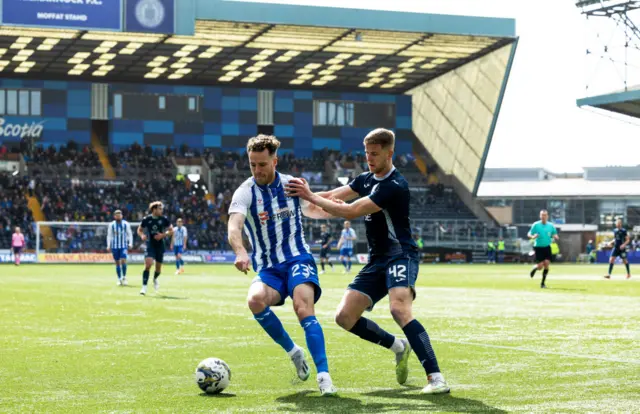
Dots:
(154, 205)
(263, 142)
(386, 138)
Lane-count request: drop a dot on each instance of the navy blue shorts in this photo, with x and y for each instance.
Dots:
(617, 252)
(119, 254)
(324, 253)
(177, 250)
(285, 277)
(17, 249)
(155, 252)
(383, 273)
(346, 252)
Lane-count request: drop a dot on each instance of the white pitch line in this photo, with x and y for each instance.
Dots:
(538, 351)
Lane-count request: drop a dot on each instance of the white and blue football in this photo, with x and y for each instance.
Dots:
(213, 375)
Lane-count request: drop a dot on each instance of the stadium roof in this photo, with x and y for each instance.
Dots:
(263, 45)
(624, 102)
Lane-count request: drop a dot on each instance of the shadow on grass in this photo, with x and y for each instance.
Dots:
(567, 289)
(438, 403)
(168, 297)
(221, 395)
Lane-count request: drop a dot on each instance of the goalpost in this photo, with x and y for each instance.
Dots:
(74, 241)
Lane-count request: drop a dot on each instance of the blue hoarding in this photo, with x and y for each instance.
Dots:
(74, 14)
(153, 16)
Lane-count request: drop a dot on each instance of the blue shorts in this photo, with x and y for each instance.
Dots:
(346, 251)
(383, 273)
(177, 249)
(155, 252)
(617, 252)
(285, 277)
(119, 254)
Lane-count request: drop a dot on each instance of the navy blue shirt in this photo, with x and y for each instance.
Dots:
(388, 231)
(154, 225)
(326, 236)
(620, 235)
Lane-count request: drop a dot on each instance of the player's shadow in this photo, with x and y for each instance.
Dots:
(311, 402)
(438, 403)
(169, 297)
(567, 289)
(221, 395)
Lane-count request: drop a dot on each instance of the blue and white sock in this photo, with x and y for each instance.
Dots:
(177, 264)
(272, 326)
(119, 271)
(315, 343)
(124, 269)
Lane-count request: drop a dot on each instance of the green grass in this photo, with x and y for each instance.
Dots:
(72, 341)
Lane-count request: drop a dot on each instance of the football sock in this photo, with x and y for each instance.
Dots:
(370, 331)
(155, 275)
(322, 264)
(178, 264)
(315, 342)
(545, 272)
(119, 271)
(349, 265)
(272, 325)
(124, 269)
(344, 263)
(181, 263)
(534, 270)
(419, 340)
(627, 266)
(145, 277)
(610, 268)
(331, 264)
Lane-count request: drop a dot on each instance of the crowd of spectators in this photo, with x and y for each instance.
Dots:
(14, 210)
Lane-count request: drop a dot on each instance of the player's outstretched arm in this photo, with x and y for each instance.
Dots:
(234, 229)
(141, 234)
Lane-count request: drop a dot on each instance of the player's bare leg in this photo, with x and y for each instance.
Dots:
(349, 317)
(401, 303)
(259, 300)
(303, 305)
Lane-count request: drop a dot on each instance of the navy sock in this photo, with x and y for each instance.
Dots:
(627, 266)
(177, 263)
(370, 331)
(272, 325)
(145, 277)
(344, 263)
(181, 263)
(124, 269)
(322, 264)
(118, 271)
(349, 265)
(545, 272)
(419, 340)
(156, 275)
(331, 264)
(610, 268)
(315, 342)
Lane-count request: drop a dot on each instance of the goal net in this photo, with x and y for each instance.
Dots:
(80, 242)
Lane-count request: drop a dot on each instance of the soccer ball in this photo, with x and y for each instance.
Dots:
(213, 375)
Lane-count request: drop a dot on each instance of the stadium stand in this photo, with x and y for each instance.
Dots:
(14, 210)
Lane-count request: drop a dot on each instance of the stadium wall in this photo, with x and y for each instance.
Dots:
(65, 112)
(230, 115)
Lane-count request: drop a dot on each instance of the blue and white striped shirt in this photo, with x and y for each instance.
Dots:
(119, 235)
(273, 221)
(179, 236)
(347, 243)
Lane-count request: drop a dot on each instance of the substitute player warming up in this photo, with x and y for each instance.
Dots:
(119, 238)
(542, 232)
(282, 258)
(153, 229)
(621, 240)
(394, 260)
(17, 244)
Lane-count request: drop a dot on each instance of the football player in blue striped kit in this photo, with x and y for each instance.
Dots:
(394, 259)
(345, 245)
(119, 239)
(281, 256)
(179, 244)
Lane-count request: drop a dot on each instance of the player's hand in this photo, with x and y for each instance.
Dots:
(535, 236)
(159, 236)
(143, 237)
(242, 263)
(298, 187)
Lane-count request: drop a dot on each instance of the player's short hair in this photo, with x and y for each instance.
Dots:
(179, 219)
(382, 136)
(544, 210)
(117, 212)
(263, 142)
(154, 205)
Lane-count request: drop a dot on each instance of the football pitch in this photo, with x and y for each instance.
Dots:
(73, 341)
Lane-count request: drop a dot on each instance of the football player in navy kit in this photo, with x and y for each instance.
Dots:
(153, 229)
(325, 247)
(394, 259)
(620, 242)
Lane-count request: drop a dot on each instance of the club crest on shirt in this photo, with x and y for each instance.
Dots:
(264, 217)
